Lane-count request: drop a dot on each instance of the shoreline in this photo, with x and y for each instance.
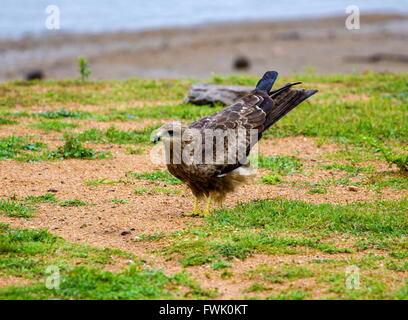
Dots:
(180, 52)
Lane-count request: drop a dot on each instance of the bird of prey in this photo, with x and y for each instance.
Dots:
(192, 151)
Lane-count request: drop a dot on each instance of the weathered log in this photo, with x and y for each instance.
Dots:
(207, 93)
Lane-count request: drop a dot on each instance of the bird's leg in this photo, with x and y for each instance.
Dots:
(206, 211)
(195, 210)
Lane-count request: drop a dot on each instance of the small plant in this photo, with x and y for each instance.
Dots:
(99, 182)
(280, 164)
(73, 203)
(4, 121)
(166, 190)
(155, 176)
(62, 113)
(317, 191)
(73, 149)
(84, 68)
(55, 125)
(271, 179)
(220, 264)
(141, 190)
(131, 150)
(12, 208)
(120, 201)
(400, 159)
(48, 197)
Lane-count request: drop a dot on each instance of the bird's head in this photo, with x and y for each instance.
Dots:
(169, 132)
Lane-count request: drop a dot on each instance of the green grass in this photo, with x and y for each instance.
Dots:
(279, 274)
(28, 254)
(284, 226)
(17, 147)
(99, 182)
(54, 125)
(271, 179)
(280, 164)
(14, 208)
(73, 149)
(27, 150)
(113, 135)
(61, 114)
(4, 121)
(163, 176)
(119, 201)
(73, 203)
(48, 197)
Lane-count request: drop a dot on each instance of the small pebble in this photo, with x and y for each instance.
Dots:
(124, 233)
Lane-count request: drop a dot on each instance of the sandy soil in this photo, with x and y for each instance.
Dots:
(287, 46)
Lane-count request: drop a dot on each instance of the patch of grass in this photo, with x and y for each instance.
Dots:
(400, 159)
(141, 190)
(54, 125)
(28, 253)
(73, 203)
(163, 176)
(271, 179)
(348, 168)
(73, 149)
(133, 283)
(317, 191)
(113, 135)
(131, 150)
(4, 121)
(14, 208)
(151, 237)
(166, 190)
(256, 287)
(220, 264)
(99, 182)
(48, 197)
(359, 218)
(279, 274)
(292, 295)
(280, 164)
(62, 113)
(119, 201)
(278, 226)
(16, 147)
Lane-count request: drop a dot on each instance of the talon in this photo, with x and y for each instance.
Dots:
(191, 214)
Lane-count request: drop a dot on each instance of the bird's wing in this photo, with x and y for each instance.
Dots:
(245, 113)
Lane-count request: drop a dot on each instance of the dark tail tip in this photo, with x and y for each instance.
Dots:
(267, 81)
(310, 93)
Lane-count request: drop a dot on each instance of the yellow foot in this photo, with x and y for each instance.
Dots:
(195, 212)
(206, 211)
(191, 214)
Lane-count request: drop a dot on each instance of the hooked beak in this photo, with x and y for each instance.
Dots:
(157, 136)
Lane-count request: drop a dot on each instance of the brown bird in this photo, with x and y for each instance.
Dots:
(210, 155)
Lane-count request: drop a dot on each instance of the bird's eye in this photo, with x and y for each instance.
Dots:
(170, 132)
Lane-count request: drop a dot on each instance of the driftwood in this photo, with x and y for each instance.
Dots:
(207, 93)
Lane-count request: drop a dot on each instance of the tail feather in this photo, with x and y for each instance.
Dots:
(286, 86)
(267, 81)
(285, 101)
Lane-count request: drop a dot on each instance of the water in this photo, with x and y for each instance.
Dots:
(22, 17)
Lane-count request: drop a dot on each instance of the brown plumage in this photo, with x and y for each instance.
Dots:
(210, 174)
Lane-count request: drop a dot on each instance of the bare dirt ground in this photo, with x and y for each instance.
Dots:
(379, 45)
(101, 223)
